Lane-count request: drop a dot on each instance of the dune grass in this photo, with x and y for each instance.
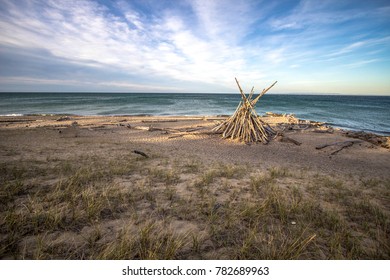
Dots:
(157, 208)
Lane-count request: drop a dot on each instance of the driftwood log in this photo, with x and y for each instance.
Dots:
(283, 138)
(342, 145)
(140, 153)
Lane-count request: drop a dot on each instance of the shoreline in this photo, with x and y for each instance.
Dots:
(3, 118)
(272, 118)
(85, 187)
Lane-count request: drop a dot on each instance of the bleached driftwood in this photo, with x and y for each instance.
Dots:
(245, 124)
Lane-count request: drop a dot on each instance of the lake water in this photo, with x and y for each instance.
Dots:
(367, 113)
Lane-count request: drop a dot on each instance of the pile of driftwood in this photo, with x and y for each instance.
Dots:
(245, 125)
(378, 140)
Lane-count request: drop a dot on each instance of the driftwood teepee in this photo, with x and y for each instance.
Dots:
(245, 125)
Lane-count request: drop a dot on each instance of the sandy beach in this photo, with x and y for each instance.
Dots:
(146, 187)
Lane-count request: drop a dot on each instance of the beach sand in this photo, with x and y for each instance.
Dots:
(73, 188)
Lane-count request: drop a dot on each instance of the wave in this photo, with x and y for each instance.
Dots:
(12, 115)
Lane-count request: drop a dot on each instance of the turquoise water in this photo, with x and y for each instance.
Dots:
(368, 113)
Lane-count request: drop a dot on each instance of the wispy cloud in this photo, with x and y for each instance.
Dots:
(313, 14)
(229, 20)
(357, 64)
(356, 46)
(348, 49)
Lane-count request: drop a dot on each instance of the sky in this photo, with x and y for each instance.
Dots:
(324, 46)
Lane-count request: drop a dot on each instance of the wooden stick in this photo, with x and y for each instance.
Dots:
(343, 144)
(141, 153)
(337, 143)
(251, 94)
(343, 147)
(241, 91)
(262, 93)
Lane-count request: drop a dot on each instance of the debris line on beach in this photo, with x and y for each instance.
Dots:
(245, 125)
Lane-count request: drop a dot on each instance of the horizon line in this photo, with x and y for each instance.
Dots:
(176, 92)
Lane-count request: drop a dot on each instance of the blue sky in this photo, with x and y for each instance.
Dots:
(324, 46)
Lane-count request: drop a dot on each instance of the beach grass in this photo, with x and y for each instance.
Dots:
(162, 208)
